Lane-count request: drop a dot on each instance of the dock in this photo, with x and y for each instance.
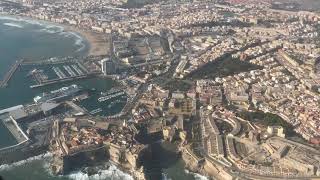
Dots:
(105, 98)
(49, 61)
(62, 79)
(9, 74)
(69, 70)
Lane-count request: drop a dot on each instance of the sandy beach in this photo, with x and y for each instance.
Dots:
(98, 42)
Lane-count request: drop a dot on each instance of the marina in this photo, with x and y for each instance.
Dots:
(70, 71)
(76, 68)
(17, 91)
(33, 78)
(59, 73)
(47, 74)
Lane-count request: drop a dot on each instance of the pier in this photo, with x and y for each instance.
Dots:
(76, 107)
(50, 61)
(69, 70)
(105, 98)
(76, 68)
(63, 73)
(9, 74)
(62, 79)
(59, 73)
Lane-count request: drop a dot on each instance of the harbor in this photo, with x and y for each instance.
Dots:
(61, 71)
(17, 91)
(34, 78)
(38, 78)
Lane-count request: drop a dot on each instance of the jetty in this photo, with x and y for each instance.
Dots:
(51, 61)
(63, 79)
(9, 74)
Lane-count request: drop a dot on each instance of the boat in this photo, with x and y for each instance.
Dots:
(111, 91)
(107, 97)
(33, 72)
(95, 111)
(58, 95)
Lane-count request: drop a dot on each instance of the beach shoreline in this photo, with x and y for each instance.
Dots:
(97, 42)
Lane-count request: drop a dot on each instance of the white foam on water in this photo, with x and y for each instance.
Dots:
(79, 41)
(48, 28)
(81, 44)
(20, 163)
(18, 19)
(111, 173)
(200, 177)
(65, 34)
(52, 29)
(196, 175)
(13, 25)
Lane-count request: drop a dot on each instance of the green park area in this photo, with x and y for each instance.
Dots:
(224, 66)
(267, 119)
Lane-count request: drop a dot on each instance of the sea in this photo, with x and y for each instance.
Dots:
(35, 41)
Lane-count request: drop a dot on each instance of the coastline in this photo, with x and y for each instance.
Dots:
(97, 43)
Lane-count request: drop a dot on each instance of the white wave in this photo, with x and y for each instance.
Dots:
(196, 175)
(9, 18)
(46, 25)
(65, 34)
(50, 31)
(19, 19)
(50, 28)
(79, 40)
(55, 27)
(81, 45)
(13, 25)
(111, 173)
(20, 163)
(200, 177)
(47, 31)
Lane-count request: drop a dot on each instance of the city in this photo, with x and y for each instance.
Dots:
(234, 85)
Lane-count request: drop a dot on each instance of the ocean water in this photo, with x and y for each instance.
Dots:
(35, 40)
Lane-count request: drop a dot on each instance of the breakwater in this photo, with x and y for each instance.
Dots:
(9, 74)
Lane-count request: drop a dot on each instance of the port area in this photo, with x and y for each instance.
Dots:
(4, 82)
(13, 127)
(31, 125)
(92, 87)
(52, 72)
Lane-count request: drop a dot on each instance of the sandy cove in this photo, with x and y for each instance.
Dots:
(98, 42)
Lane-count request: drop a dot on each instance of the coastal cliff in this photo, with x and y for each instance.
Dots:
(125, 160)
(80, 143)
